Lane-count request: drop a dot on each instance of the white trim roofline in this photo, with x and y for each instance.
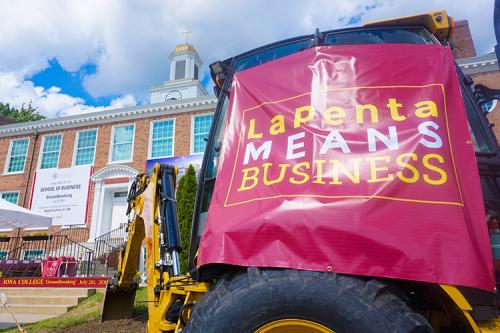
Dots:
(479, 64)
(109, 116)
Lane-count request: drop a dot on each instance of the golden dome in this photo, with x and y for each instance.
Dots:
(185, 47)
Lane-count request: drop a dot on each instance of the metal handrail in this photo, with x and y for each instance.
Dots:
(107, 234)
(54, 245)
(113, 239)
(107, 245)
(73, 243)
(12, 252)
(75, 233)
(103, 241)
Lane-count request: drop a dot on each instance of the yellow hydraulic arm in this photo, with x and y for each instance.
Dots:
(120, 292)
(154, 220)
(150, 204)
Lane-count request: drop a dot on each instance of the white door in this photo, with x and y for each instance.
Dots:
(118, 209)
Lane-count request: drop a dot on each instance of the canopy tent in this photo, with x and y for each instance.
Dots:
(14, 216)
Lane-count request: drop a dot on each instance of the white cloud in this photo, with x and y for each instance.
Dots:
(129, 41)
(50, 102)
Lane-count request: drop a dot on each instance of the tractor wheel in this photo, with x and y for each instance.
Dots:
(295, 301)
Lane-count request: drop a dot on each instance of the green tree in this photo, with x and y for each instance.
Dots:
(186, 195)
(25, 113)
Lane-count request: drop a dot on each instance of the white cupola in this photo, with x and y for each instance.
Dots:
(185, 64)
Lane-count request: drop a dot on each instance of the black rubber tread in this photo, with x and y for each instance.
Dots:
(243, 302)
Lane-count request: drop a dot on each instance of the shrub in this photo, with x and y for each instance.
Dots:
(186, 195)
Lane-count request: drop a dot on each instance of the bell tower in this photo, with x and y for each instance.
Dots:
(184, 82)
(184, 63)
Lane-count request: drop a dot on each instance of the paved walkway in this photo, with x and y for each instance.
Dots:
(6, 320)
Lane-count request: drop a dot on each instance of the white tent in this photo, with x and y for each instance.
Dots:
(14, 216)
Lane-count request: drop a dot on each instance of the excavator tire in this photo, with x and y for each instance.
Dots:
(286, 300)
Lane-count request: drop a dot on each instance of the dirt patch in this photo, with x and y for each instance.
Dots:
(135, 325)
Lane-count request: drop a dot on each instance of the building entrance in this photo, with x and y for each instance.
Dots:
(111, 185)
(118, 209)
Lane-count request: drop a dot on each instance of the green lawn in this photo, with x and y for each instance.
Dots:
(141, 301)
(87, 311)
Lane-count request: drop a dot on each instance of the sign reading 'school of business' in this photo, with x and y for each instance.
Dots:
(62, 194)
(352, 159)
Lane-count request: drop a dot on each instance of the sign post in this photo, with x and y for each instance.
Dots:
(62, 194)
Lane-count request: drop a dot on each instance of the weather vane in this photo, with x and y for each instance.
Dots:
(187, 32)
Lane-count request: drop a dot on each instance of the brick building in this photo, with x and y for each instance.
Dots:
(483, 69)
(118, 143)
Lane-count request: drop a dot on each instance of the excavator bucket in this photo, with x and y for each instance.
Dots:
(118, 303)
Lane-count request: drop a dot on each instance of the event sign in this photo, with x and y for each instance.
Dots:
(62, 194)
(33, 282)
(181, 162)
(352, 159)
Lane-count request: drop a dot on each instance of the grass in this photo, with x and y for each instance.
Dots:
(141, 302)
(88, 310)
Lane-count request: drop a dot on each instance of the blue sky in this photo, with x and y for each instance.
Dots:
(71, 83)
(69, 57)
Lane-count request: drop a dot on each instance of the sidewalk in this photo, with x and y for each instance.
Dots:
(6, 320)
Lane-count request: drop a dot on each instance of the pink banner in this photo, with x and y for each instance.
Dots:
(353, 159)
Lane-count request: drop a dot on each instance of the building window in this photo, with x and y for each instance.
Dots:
(201, 128)
(33, 254)
(123, 142)
(50, 151)
(122, 194)
(162, 138)
(17, 156)
(195, 72)
(11, 197)
(180, 69)
(85, 147)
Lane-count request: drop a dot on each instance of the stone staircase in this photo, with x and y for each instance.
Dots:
(106, 251)
(42, 303)
(102, 270)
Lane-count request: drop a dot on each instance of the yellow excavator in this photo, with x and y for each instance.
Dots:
(226, 298)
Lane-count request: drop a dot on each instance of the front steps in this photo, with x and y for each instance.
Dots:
(100, 270)
(42, 302)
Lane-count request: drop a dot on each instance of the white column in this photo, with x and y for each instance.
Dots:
(189, 67)
(96, 210)
(172, 68)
